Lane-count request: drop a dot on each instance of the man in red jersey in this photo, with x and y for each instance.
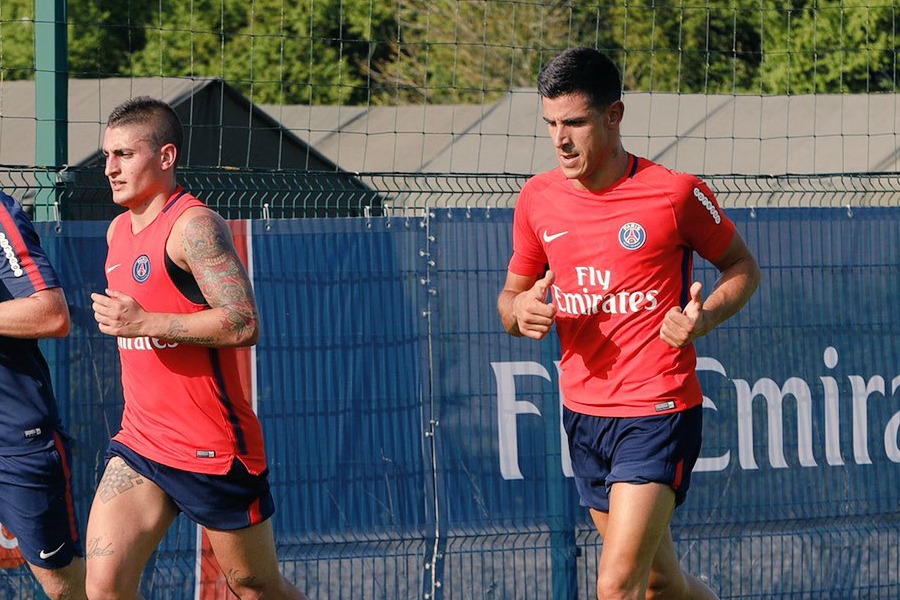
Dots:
(611, 238)
(179, 302)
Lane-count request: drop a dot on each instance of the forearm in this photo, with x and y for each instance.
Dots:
(216, 327)
(42, 315)
(735, 287)
(505, 306)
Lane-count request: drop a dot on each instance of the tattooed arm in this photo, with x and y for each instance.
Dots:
(201, 244)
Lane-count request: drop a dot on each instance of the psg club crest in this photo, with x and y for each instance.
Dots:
(141, 269)
(632, 236)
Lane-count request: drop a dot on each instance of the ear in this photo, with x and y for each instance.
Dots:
(615, 112)
(168, 155)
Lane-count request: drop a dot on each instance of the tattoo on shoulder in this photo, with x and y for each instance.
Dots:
(117, 479)
(206, 238)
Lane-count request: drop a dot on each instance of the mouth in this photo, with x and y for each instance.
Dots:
(568, 160)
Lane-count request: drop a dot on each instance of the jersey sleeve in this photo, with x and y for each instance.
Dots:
(528, 254)
(702, 222)
(24, 266)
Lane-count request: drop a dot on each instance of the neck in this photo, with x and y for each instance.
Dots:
(614, 169)
(144, 213)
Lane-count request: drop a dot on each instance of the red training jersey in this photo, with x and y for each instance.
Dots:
(622, 257)
(185, 406)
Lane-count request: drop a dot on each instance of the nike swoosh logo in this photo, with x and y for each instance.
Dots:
(46, 555)
(549, 238)
(113, 268)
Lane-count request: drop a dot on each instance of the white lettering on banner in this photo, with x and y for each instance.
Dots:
(509, 408)
(8, 543)
(717, 463)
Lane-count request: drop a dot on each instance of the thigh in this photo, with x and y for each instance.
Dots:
(635, 527)
(129, 516)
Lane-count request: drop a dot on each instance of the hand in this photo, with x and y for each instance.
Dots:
(681, 327)
(534, 316)
(118, 314)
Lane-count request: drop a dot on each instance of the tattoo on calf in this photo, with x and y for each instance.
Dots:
(234, 577)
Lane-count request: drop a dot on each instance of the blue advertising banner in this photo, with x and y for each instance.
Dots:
(416, 448)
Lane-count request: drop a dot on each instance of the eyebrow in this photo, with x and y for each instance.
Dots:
(131, 147)
(569, 121)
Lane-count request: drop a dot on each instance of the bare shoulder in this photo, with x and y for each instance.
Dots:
(199, 234)
(117, 221)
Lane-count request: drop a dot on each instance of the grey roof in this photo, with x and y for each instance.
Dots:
(702, 134)
(497, 138)
(769, 135)
(222, 127)
(90, 102)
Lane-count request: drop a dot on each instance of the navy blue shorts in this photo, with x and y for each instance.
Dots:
(235, 500)
(653, 449)
(37, 505)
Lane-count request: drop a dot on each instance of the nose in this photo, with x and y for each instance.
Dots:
(559, 135)
(111, 167)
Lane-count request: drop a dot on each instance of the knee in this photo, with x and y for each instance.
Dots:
(59, 590)
(615, 584)
(104, 588)
(63, 584)
(661, 587)
(611, 586)
(95, 591)
(252, 589)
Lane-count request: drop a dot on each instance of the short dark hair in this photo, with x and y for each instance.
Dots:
(143, 110)
(581, 71)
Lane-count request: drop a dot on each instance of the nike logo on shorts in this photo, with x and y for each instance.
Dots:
(46, 555)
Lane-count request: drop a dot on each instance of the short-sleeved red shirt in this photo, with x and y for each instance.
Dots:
(622, 257)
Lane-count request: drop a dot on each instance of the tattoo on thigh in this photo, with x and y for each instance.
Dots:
(97, 547)
(118, 478)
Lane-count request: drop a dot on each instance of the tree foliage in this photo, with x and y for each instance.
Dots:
(16, 39)
(830, 46)
(400, 51)
(456, 51)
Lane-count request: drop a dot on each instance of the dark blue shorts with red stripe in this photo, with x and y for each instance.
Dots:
(36, 505)
(227, 502)
(653, 449)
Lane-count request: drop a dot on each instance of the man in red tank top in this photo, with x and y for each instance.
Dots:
(179, 303)
(610, 238)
